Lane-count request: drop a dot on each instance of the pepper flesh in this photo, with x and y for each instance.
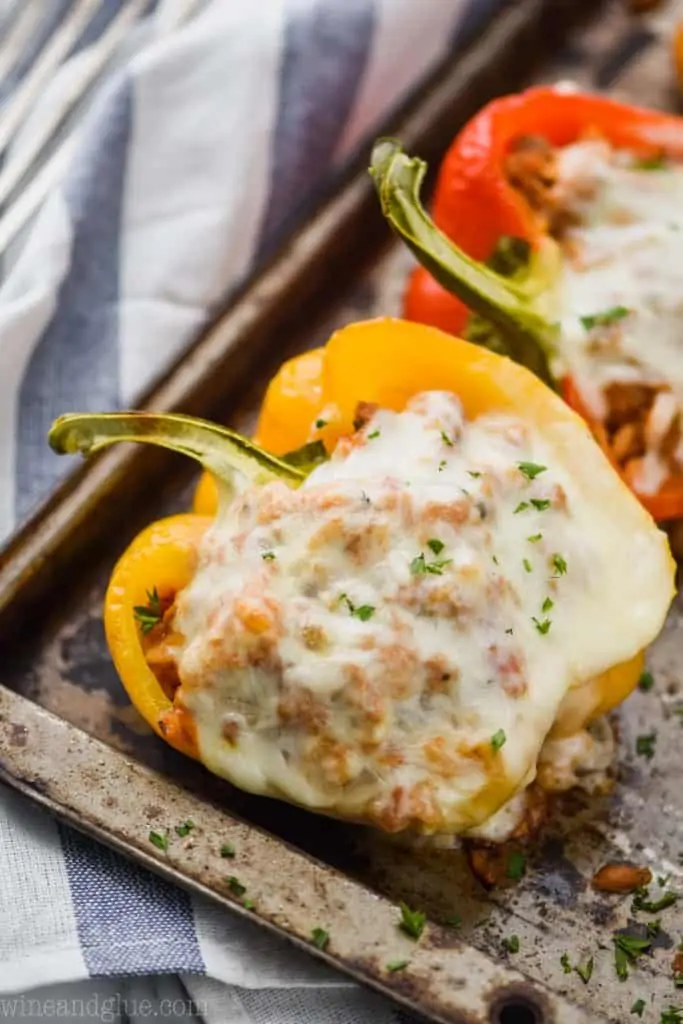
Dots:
(398, 359)
(475, 205)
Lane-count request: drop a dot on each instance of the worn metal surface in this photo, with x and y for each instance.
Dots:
(346, 879)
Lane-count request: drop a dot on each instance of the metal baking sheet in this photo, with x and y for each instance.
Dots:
(70, 740)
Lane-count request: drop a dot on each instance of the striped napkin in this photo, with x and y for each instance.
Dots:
(201, 148)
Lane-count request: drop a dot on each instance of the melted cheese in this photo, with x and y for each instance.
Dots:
(362, 645)
(626, 251)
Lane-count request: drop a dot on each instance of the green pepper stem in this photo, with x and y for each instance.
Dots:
(219, 450)
(398, 179)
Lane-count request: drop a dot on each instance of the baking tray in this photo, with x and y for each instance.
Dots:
(70, 741)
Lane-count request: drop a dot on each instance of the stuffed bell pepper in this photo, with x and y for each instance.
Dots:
(578, 201)
(415, 614)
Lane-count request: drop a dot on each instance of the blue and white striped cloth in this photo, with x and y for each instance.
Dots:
(203, 148)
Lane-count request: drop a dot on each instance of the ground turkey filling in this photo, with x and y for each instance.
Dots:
(389, 641)
(619, 220)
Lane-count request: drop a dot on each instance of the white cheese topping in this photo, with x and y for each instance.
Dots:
(624, 254)
(392, 641)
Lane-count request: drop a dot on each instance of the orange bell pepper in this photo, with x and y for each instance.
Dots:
(385, 362)
(475, 205)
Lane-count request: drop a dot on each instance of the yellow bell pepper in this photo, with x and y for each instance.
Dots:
(395, 360)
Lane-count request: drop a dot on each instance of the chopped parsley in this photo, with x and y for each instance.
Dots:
(511, 944)
(531, 469)
(543, 627)
(248, 904)
(148, 615)
(435, 545)
(646, 682)
(319, 424)
(534, 538)
(412, 921)
(605, 318)
(516, 865)
(442, 465)
(585, 971)
(541, 504)
(397, 965)
(645, 745)
(653, 928)
(320, 938)
(473, 473)
(527, 564)
(373, 435)
(498, 740)
(184, 829)
(638, 1007)
(509, 632)
(671, 1016)
(268, 556)
(419, 566)
(235, 886)
(494, 559)
(453, 922)
(446, 439)
(642, 901)
(547, 605)
(522, 507)
(227, 850)
(160, 840)
(627, 949)
(657, 162)
(566, 966)
(678, 980)
(361, 611)
(559, 565)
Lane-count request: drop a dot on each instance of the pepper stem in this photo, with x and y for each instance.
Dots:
(219, 450)
(398, 179)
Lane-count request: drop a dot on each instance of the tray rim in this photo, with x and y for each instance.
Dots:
(38, 551)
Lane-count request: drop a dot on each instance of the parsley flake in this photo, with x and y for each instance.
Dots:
(645, 745)
(446, 439)
(522, 507)
(542, 627)
(511, 944)
(475, 475)
(646, 682)
(559, 565)
(585, 971)
(435, 545)
(160, 840)
(412, 921)
(531, 469)
(547, 605)
(627, 949)
(320, 938)
(442, 465)
(248, 904)
(148, 615)
(638, 1007)
(604, 319)
(373, 435)
(397, 965)
(641, 901)
(534, 538)
(319, 424)
(235, 886)
(362, 611)
(268, 556)
(540, 503)
(453, 922)
(184, 829)
(419, 566)
(227, 850)
(566, 966)
(671, 1016)
(657, 162)
(516, 866)
(498, 740)
(527, 564)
